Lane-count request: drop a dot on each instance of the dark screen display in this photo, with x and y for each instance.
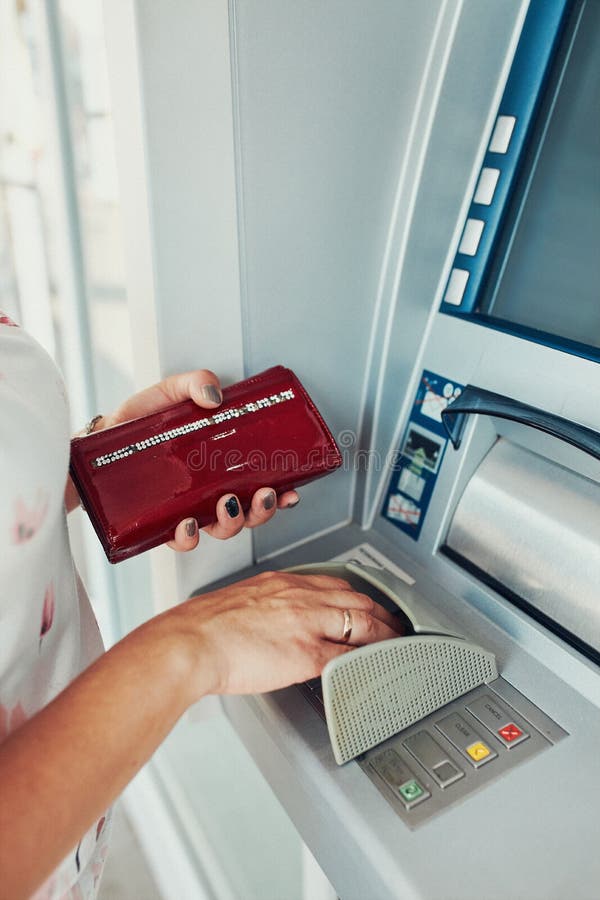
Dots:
(547, 271)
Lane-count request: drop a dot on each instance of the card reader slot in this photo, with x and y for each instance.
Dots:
(475, 400)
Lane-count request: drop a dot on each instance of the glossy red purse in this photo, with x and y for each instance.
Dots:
(139, 479)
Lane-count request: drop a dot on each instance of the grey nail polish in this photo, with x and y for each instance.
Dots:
(232, 507)
(211, 393)
(191, 527)
(293, 503)
(269, 500)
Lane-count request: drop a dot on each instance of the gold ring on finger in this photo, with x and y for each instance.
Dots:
(347, 626)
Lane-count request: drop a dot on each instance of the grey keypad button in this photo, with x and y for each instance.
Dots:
(471, 744)
(503, 724)
(446, 773)
(433, 758)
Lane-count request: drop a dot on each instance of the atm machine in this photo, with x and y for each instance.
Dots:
(466, 763)
(418, 210)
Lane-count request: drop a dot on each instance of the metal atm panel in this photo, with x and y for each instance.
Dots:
(527, 814)
(451, 805)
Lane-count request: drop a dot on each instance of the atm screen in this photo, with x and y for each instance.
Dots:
(547, 272)
(528, 260)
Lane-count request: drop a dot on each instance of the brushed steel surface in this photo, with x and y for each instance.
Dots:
(535, 527)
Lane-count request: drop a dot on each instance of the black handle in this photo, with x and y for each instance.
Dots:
(476, 401)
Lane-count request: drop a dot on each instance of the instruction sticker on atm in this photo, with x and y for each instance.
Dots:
(417, 463)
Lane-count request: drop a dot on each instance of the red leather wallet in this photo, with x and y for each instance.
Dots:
(139, 479)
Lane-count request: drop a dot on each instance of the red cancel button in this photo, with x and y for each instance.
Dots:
(510, 732)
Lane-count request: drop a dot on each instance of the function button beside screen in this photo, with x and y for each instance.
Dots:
(469, 243)
(400, 778)
(433, 758)
(502, 134)
(456, 286)
(497, 719)
(466, 739)
(486, 186)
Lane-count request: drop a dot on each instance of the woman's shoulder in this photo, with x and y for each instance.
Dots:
(27, 369)
(34, 424)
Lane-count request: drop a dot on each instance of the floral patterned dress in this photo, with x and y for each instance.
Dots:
(48, 633)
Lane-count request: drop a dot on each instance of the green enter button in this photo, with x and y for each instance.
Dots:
(412, 790)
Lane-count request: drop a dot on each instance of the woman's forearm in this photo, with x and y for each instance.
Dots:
(60, 770)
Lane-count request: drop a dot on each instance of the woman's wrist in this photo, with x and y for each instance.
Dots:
(189, 656)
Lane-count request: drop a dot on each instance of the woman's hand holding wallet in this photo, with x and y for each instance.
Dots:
(172, 455)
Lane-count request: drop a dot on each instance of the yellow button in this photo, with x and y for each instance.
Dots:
(478, 751)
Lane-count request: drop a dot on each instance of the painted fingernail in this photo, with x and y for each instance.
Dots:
(269, 500)
(293, 503)
(211, 393)
(232, 507)
(191, 526)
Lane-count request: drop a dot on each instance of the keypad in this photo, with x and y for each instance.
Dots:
(458, 750)
(454, 751)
